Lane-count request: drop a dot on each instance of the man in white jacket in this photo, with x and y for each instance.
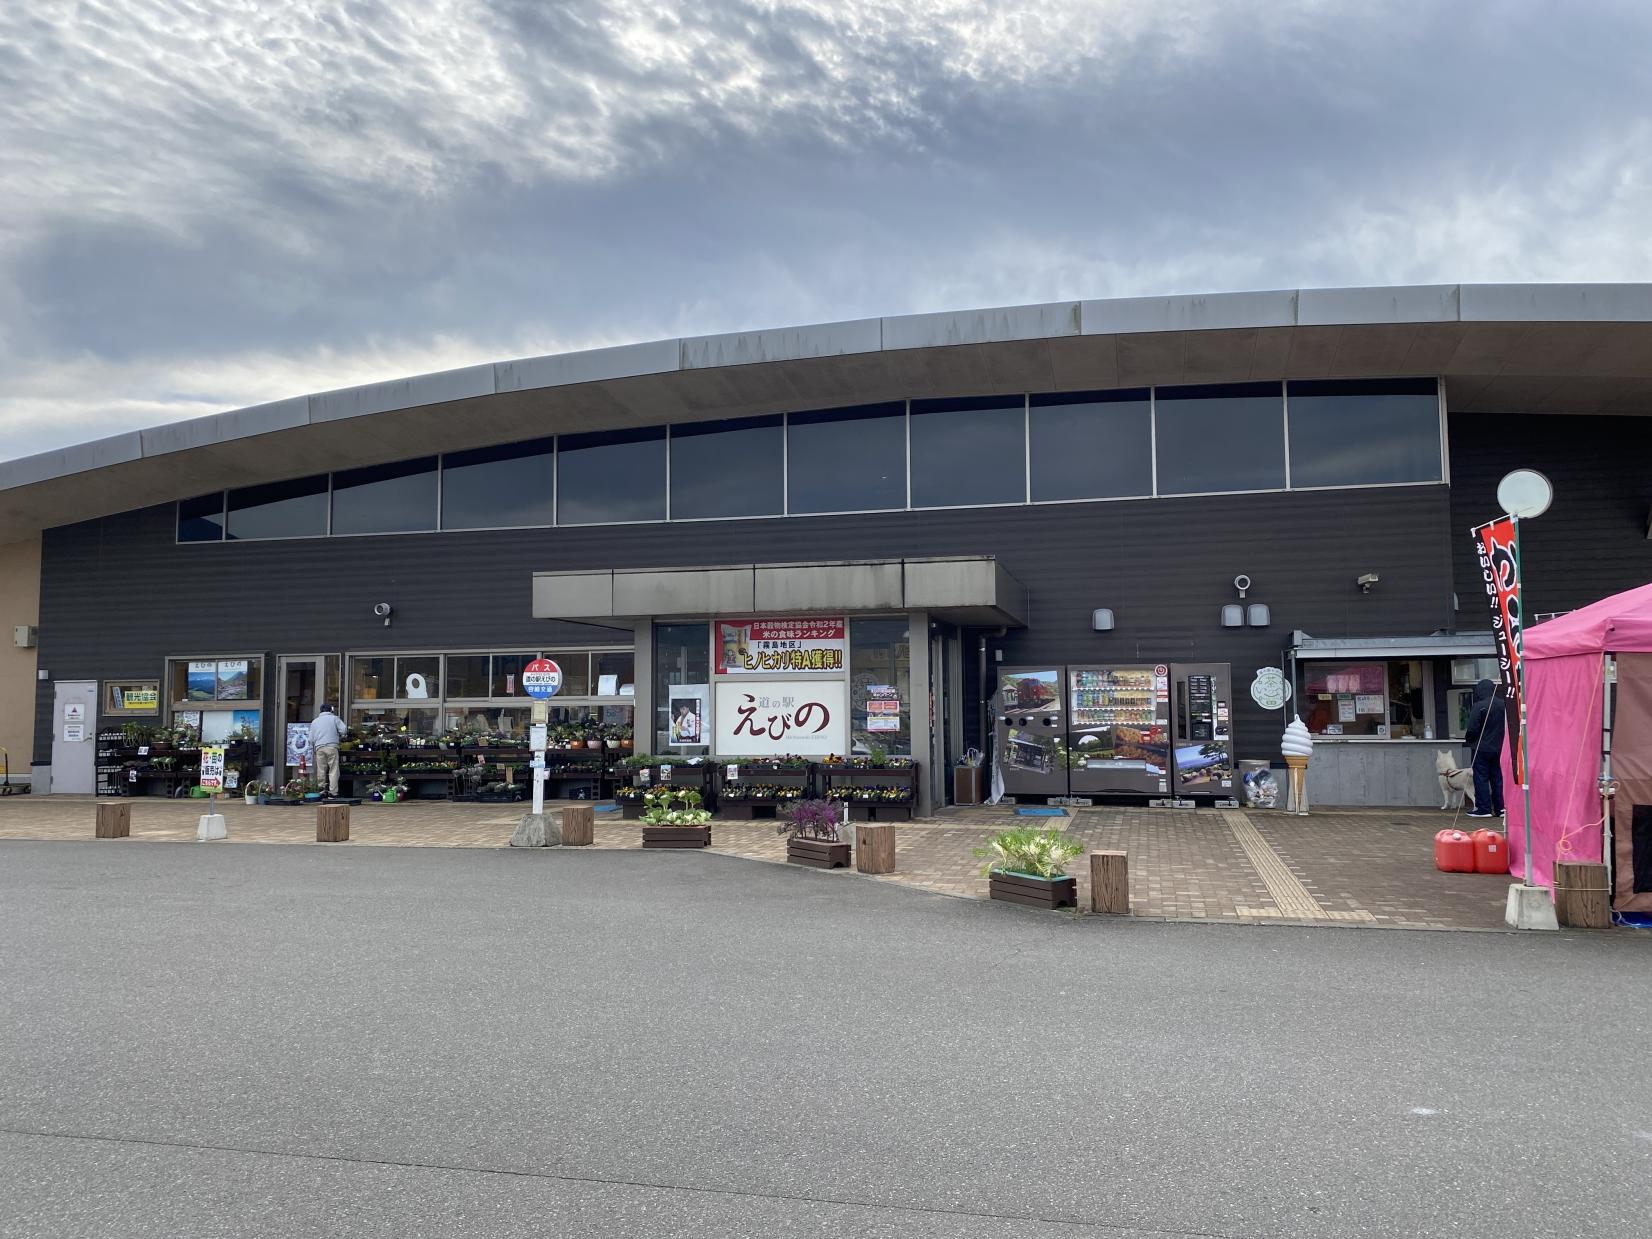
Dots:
(325, 732)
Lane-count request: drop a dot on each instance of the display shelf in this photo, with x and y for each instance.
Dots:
(873, 793)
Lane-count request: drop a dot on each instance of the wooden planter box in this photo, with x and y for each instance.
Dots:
(676, 836)
(817, 853)
(1033, 892)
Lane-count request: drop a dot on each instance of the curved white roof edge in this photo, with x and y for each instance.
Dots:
(1453, 309)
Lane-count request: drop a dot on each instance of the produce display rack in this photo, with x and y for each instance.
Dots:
(123, 771)
(874, 793)
(761, 789)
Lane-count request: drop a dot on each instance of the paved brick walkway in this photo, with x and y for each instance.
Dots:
(1356, 867)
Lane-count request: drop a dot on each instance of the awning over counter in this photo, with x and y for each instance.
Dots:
(971, 589)
(1437, 645)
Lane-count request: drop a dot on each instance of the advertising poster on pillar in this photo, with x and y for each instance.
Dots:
(805, 718)
(765, 646)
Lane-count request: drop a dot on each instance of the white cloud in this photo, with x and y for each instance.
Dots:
(212, 203)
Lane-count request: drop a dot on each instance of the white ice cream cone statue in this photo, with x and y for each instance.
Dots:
(1297, 746)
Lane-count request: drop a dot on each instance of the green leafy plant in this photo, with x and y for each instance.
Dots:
(672, 806)
(1026, 850)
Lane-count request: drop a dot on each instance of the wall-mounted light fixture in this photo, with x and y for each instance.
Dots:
(1233, 615)
(1257, 615)
(1101, 619)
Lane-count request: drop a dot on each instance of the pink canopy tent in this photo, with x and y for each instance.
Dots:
(1565, 661)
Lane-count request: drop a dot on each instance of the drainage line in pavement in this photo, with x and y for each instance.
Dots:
(604, 1182)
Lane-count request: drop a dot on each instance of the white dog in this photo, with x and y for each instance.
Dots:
(1456, 782)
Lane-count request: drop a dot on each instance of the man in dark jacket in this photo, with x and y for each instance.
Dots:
(1485, 743)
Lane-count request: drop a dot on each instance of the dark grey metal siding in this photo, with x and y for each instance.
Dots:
(118, 595)
(1592, 542)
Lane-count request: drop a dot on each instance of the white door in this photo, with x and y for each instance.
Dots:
(74, 737)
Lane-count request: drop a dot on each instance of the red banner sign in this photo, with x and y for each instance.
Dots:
(1498, 548)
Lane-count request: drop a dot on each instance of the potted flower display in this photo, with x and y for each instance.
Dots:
(672, 818)
(811, 827)
(251, 789)
(1029, 866)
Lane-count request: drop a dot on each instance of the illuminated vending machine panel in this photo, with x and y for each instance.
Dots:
(1118, 729)
(1202, 728)
(1031, 732)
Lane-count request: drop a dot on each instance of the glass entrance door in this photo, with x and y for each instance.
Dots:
(306, 681)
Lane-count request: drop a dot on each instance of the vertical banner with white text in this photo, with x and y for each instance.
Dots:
(1497, 545)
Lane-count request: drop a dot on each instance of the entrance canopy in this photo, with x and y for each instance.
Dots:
(973, 590)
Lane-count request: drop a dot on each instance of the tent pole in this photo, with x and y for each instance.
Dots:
(1520, 673)
(1609, 677)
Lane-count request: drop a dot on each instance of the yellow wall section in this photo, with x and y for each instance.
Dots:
(19, 604)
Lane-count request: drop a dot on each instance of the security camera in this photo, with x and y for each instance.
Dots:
(1241, 583)
(1366, 581)
(382, 610)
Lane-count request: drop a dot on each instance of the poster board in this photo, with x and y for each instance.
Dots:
(783, 643)
(687, 718)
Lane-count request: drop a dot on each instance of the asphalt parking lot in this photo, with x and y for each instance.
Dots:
(465, 1042)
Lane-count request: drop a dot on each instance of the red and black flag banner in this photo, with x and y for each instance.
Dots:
(1498, 546)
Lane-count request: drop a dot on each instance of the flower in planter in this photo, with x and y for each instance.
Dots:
(1026, 850)
(811, 819)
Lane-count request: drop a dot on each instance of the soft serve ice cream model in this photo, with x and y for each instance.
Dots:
(1297, 746)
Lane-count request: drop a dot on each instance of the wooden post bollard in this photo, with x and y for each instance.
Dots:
(1581, 899)
(1110, 883)
(114, 819)
(332, 823)
(875, 848)
(578, 825)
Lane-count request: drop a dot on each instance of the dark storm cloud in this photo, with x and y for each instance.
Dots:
(219, 204)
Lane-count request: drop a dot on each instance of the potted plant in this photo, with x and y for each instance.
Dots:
(1029, 866)
(811, 827)
(672, 818)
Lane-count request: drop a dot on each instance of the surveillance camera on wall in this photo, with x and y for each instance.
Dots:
(1366, 581)
(382, 610)
(1241, 583)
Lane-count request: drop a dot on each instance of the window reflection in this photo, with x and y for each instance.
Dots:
(1364, 434)
(500, 487)
(296, 509)
(847, 460)
(726, 468)
(1221, 438)
(615, 476)
(399, 498)
(969, 452)
(1091, 445)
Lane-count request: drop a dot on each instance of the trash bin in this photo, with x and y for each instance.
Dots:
(1261, 787)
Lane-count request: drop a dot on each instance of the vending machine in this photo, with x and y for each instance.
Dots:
(1031, 732)
(1202, 729)
(1118, 729)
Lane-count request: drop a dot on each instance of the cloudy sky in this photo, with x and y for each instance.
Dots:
(210, 203)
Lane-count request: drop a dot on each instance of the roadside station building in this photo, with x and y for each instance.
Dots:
(831, 538)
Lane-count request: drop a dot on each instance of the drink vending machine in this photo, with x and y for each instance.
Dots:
(1124, 729)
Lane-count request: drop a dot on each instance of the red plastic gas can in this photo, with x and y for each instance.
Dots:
(1491, 852)
(1453, 852)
